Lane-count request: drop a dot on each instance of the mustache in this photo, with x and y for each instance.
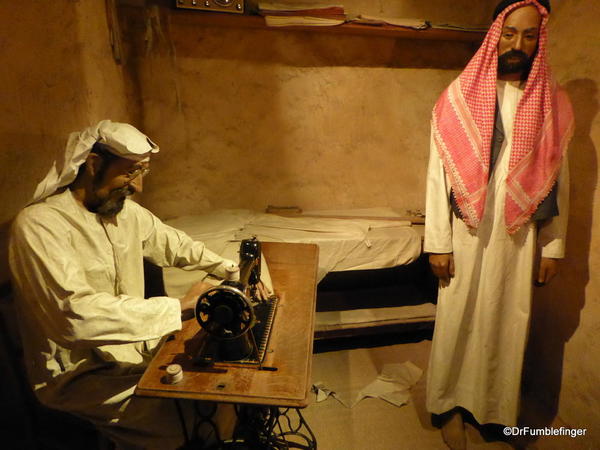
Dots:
(514, 53)
(122, 191)
(514, 61)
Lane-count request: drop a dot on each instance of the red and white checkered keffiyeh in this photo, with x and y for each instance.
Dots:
(463, 123)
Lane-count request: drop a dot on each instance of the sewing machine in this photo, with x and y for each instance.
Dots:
(235, 319)
(274, 389)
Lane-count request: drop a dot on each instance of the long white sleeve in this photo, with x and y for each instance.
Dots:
(66, 300)
(438, 212)
(166, 246)
(552, 233)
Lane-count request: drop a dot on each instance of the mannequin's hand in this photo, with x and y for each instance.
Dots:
(548, 270)
(442, 265)
(188, 302)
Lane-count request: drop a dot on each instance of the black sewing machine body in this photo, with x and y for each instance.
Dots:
(236, 322)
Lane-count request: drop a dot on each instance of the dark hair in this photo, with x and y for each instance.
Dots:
(506, 3)
(107, 158)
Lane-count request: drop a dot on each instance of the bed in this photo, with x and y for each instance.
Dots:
(353, 245)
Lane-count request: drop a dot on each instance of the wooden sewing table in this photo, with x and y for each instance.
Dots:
(285, 380)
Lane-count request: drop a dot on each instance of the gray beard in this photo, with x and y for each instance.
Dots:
(110, 208)
(113, 204)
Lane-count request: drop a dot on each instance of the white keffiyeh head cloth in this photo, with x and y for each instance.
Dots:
(121, 139)
(463, 122)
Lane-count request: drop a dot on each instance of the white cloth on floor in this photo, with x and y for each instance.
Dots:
(392, 385)
(483, 314)
(322, 391)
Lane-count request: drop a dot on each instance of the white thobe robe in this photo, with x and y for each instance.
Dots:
(483, 314)
(88, 332)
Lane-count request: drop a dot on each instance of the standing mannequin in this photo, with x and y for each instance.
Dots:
(497, 188)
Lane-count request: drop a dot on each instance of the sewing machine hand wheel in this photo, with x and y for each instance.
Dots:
(224, 312)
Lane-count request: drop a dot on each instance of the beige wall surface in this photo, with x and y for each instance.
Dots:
(563, 360)
(35, 93)
(58, 76)
(250, 118)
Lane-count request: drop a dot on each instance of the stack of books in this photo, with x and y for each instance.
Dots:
(301, 14)
(413, 24)
(461, 27)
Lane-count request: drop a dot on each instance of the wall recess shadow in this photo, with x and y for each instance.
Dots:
(557, 308)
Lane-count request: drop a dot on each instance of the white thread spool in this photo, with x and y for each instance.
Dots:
(174, 373)
(232, 273)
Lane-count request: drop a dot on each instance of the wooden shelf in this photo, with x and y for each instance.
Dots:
(208, 19)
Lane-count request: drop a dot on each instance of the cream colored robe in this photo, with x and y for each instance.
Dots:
(88, 331)
(482, 317)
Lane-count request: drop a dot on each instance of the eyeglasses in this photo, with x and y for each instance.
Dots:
(137, 171)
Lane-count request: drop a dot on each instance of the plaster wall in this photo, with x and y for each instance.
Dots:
(562, 363)
(58, 76)
(250, 118)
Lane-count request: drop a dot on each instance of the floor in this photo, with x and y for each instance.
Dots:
(374, 424)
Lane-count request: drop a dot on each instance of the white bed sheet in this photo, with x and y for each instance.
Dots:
(344, 244)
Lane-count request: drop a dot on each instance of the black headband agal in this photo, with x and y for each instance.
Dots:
(506, 3)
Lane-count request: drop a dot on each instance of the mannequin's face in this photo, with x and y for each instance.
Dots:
(111, 186)
(518, 43)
